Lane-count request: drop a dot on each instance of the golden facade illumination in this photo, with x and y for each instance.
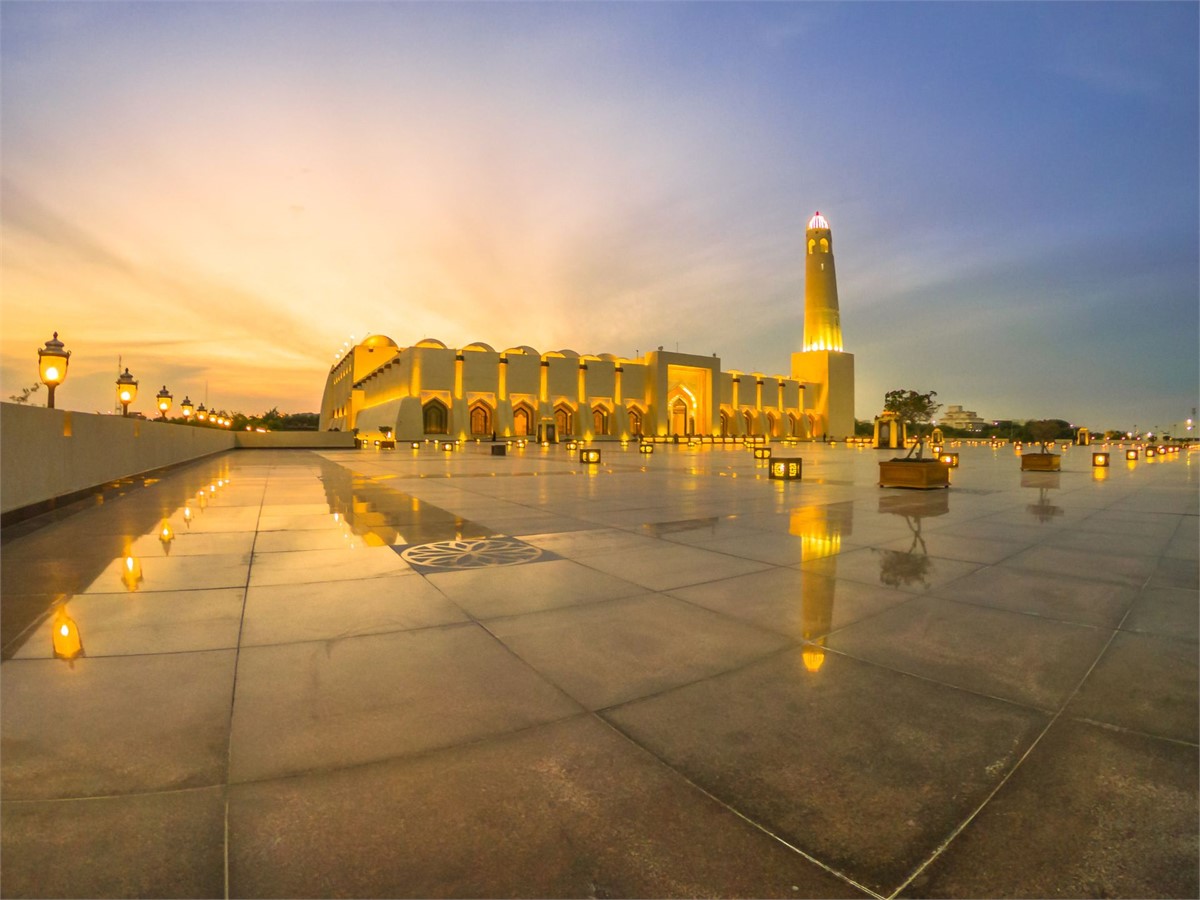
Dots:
(432, 392)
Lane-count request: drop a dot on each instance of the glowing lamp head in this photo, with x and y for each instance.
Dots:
(187, 408)
(126, 390)
(164, 399)
(52, 362)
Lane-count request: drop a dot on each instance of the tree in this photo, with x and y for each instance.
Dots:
(914, 409)
(1043, 431)
(23, 397)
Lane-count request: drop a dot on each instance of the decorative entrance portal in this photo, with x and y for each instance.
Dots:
(679, 417)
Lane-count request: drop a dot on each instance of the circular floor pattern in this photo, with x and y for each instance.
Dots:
(473, 554)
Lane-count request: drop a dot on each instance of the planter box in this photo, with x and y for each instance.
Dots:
(911, 473)
(1040, 462)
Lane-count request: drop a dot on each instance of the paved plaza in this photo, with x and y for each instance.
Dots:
(425, 674)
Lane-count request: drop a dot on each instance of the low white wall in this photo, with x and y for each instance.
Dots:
(49, 453)
(284, 440)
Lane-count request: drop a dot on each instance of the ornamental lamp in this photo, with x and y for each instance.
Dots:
(164, 399)
(52, 366)
(126, 390)
(201, 413)
(187, 409)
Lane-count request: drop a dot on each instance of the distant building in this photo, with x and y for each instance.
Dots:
(962, 419)
(429, 390)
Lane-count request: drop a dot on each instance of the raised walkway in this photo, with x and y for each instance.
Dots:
(425, 674)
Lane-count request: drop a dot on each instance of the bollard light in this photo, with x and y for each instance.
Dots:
(950, 459)
(52, 366)
(1100, 460)
(126, 390)
(762, 452)
(590, 455)
(1131, 455)
(645, 448)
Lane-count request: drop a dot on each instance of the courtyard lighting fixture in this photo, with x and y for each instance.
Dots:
(52, 366)
(201, 413)
(950, 459)
(1131, 455)
(1100, 460)
(126, 390)
(187, 409)
(164, 402)
(762, 452)
(645, 447)
(590, 455)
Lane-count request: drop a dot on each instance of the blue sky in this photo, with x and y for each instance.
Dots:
(223, 193)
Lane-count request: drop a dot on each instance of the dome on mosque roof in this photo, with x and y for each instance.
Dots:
(818, 221)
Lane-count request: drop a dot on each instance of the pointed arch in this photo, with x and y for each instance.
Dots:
(564, 419)
(436, 416)
(482, 418)
(523, 420)
(635, 420)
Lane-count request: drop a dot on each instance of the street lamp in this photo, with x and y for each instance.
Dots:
(201, 413)
(186, 408)
(52, 366)
(126, 390)
(164, 402)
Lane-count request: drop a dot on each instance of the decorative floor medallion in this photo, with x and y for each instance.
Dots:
(481, 553)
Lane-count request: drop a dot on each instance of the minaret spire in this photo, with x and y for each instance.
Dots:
(822, 321)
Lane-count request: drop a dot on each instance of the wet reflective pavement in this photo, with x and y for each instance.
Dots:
(365, 673)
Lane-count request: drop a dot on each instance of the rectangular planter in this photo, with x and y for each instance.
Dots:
(912, 474)
(1040, 462)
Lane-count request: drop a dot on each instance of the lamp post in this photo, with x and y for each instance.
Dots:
(52, 366)
(186, 408)
(164, 402)
(126, 390)
(201, 413)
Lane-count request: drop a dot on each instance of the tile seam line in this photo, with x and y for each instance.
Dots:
(745, 818)
(1058, 714)
(233, 687)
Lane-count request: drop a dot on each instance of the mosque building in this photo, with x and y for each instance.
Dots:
(429, 390)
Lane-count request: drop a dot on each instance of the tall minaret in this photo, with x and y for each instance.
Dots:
(826, 371)
(822, 323)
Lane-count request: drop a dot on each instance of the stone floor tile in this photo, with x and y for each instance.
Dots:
(791, 601)
(906, 571)
(149, 622)
(329, 610)
(607, 653)
(1025, 659)
(141, 845)
(326, 704)
(555, 811)
(308, 566)
(670, 566)
(508, 590)
(1129, 570)
(1167, 611)
(170, 573)
(1093, 812)
(865, 769)
(1147, 683)
(1068, 598)
(117, 725)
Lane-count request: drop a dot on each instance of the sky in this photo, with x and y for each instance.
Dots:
(220, 194)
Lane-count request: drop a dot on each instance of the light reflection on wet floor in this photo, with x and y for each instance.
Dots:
(702, 615)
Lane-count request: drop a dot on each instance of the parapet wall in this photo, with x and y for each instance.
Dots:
(51, 453)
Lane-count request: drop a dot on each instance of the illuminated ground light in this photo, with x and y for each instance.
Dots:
(589, 455)
(950, 459)
(786, 469)
(1100, 460)
(646, 448)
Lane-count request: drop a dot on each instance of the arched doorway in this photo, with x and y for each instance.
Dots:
(436, 417)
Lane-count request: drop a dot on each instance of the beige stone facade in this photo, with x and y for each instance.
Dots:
(429, 390)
